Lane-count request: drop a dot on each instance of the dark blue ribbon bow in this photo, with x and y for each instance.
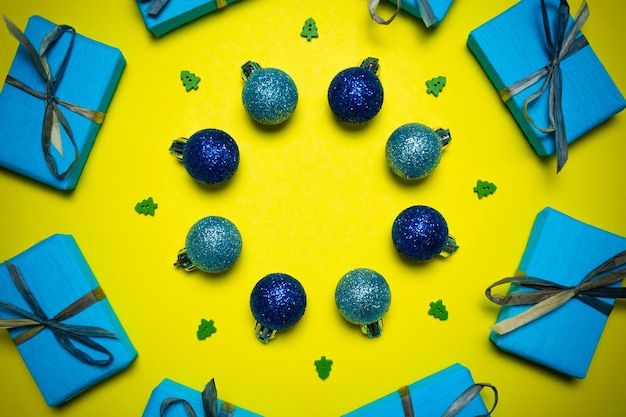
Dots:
(209, 404)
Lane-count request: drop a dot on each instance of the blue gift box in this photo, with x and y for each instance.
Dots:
(431, 397)
(513, 45)
(431, 12)
(562, 250)
(169, 389)
(175, 13)
(89, 80)
(57, 275)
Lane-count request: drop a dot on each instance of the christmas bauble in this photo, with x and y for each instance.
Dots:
(269, 95)
(363, 297)
(355, 95)
(213, 244)
(420, 233)
(277, 302)
(414, 150)
(210, 156)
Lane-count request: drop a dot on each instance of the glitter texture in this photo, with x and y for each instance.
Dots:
(420, 233)
(211, 156)
(213, 244)
(362, 296)
(269, 96)
(355, 95)
(413, 151)
(278, 301)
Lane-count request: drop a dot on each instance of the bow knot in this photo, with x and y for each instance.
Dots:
(209, 404)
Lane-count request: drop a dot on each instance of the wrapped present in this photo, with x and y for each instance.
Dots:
(431, 12)
(447, 393)
(162, 16)
(53, 103)
(559, 301)
(171, 399)
(61, 321)
(547, 74)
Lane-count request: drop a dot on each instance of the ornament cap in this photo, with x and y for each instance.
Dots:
(373, 329)
(183, 261)
(178, 147)
(444, 136)
(264, 333)
(371, 64)
(449, 248)
(248, 68)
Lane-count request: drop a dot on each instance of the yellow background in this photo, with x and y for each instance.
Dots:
(314, 199)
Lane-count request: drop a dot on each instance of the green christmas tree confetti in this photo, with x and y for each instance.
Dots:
(309, 30)
(190, 80)
(205, 329)
(323, 366)
(435, 85)
(484, 188)
(146, 206)
(438, 310)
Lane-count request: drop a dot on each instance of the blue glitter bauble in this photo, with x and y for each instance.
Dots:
(362, 296)
(413, 151)
(269, 96)
(420, 233)
(355, 95)
(213, 244)
(278, 301)
(211, 156)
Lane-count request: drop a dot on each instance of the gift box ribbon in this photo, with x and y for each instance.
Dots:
(563, 46)
(63, 332)
(156, 5)
(53, 117)
(459, 403)
(550, 296)
(209, 404)
(425, 10)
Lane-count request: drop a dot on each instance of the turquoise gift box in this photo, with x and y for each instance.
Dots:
(175, 13)
(431, 12)
(57, 275)
(513, 45)
(89, 80)
(170, 390)
(562, 250)
(430, 397)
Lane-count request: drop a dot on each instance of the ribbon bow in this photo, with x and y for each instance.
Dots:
(156, 5)
(209, 403)
(564, 45)
(63, 332)
(51, 132)
(459, 404)
(425, 11)
(550, 296)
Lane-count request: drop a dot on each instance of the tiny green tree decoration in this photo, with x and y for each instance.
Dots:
(309, 30)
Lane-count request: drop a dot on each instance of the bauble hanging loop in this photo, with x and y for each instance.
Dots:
(211, 156)
(269, 95)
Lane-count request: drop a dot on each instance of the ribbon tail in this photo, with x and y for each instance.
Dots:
(560, 138)
(467, 396)
(16, 323)
(426, 13)
(209, 399)
(155, 7)
(538, 310)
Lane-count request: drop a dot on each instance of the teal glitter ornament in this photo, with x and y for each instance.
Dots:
(269, 95)
(277, 303)
(356, 94)
(420, 233)
(363, 297)
(213, 244)
(414, 150)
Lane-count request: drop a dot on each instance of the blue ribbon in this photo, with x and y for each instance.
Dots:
(209, 404)
(50, 132)
(457, 405)
(63, 332)
(563, 46)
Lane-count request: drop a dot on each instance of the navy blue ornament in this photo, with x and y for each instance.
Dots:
(213, 244)
(355, 95)
(363, 297)
(269, 95)
(277, 302)
(420, 233)
(210, 156)
(414, 150)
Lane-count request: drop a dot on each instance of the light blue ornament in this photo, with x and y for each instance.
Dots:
(269, 95)
(213, 245)
(414, 150)
(363, 297)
